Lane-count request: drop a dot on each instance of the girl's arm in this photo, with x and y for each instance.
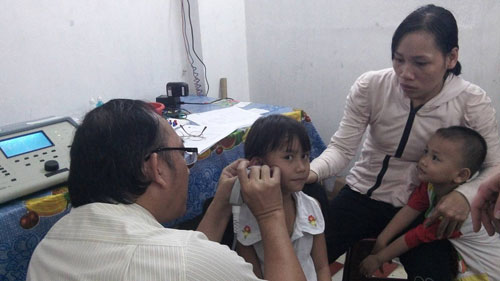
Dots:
(401, 220)
(320, 259)
(250, 256)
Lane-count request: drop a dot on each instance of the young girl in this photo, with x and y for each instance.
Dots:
(280, 141)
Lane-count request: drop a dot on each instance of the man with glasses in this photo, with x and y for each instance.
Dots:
(128, 175)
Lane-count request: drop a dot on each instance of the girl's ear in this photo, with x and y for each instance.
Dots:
(463, 175)
(256, 161)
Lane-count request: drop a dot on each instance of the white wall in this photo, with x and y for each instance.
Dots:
(307, 54)
(56, 54)
(224, 44)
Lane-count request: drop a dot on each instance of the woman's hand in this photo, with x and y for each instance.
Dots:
(312, 177)
(486, 206)
(452, 210)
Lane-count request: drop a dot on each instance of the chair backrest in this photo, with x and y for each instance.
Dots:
(354, 256)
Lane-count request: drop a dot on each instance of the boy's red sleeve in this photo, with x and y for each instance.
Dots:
(422, 234)
(419, 200)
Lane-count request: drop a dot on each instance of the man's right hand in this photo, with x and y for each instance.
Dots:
(261, 189)
(486, 206)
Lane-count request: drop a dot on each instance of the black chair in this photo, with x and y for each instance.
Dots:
(354, 256)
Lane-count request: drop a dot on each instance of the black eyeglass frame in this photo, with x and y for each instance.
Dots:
(160, 149)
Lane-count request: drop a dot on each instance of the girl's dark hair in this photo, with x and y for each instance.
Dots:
(108, 152)
(269, 133)
(435, 20)
(473, 146)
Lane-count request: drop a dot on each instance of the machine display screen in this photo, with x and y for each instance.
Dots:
(23, 144)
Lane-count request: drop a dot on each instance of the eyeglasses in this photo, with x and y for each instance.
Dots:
(190, 153)
(193, 135)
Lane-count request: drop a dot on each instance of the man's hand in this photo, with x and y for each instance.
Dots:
(226, 182)
(312, 177)
(261, 189)
(452, 210)
(486, 206)
(218, 213)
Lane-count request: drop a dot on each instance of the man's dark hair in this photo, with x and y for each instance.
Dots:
(269, 133)
(473, 146)
(108, 151)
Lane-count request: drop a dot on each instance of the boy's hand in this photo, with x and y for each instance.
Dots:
(451, 210)
(370, 264)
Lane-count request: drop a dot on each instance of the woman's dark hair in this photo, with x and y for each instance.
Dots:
(108, 151)
(435, 20)
(473, 146)
(269, 133)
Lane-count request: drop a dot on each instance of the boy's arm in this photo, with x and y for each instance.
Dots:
(320, 258)
(401, 220)
(371, 263)
(250, 256)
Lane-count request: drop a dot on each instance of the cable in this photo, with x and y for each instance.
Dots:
(206, 102)
(236, 224)
(196, 79)
(194, 51)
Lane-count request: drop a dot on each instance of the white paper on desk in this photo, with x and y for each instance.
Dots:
(241, 104)
(211, 135)
(258, 110)
(230, 116)
(220, 123)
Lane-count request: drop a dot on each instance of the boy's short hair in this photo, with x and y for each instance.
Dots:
(269, 133)
(473, 148)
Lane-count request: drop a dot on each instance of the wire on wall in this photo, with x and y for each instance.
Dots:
(198, 86)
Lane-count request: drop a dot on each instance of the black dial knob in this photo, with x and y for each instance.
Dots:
(51, 165)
